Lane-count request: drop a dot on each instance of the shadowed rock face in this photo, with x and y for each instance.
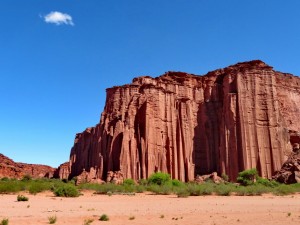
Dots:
(11, 169)
(228, 120)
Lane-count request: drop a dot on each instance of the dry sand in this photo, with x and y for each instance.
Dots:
(148, 209)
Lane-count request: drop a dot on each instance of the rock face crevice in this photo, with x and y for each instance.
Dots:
(228, 120)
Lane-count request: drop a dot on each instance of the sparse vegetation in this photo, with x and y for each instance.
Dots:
(4, 222)
(158, 183)
(129, 182)
(52, 219)
(22, 198)
(88, 221)
(104, 217)
(67, 190)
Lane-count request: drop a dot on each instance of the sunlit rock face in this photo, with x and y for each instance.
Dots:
(12, 169)
(228, 120)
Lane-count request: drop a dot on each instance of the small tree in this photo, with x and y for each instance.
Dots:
(247, 177)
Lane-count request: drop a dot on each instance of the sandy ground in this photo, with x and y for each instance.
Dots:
(152, 209)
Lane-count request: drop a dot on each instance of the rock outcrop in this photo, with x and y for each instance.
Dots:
(63, 171)
(228, 120)
(11, 169)
(290, 171)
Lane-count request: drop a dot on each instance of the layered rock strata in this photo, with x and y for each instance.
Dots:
(228, 120)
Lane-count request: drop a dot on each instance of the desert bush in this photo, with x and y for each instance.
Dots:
(88, 221)
(183, 193)
(10, 187)
(26, 177)
(223, 189)
(109, 187)
(140, 188)
(22, 198)
(165, 189)
(89, 186)
(247, 177)
(129, 182)
(104, 217)
(66, 190)
(143, 182)
(284, 189)
(200, 189)
(267, 182)
(4, 222)
(252, 190)
(177, 183)
(159, 178)
(39, 186)
(52, 219)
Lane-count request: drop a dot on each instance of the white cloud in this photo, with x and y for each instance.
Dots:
(59, 18)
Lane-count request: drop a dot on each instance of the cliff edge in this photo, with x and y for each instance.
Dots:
(228, 120)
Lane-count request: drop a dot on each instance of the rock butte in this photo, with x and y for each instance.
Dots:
(228, 120)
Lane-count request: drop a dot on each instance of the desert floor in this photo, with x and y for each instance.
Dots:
(152, 209)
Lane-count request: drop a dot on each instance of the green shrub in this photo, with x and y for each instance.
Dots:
(109, 187)
(223, 190)
(89, 186)
(4, 222)
(159, 178)
(247, 177)
(22, 198)
(129, 182)
(104, 217)
(267, 182)
(284, 189)
(66, 190)
(10, 187)
(140, 188)
(165, 189)
(26, 177)
(252, 190)
(52, 219)
(39, 186)
(183, 193)
(143, 182)
(177, 183)
(200, 189)
(4, 179)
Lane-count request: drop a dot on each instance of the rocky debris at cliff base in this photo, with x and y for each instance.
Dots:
(290, 171)
(115, 177)
(213, 177)
(88, 177)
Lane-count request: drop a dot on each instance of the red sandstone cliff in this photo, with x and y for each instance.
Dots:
(11, 169)
(228, 120)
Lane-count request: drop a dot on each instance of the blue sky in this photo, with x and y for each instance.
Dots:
(53, 76)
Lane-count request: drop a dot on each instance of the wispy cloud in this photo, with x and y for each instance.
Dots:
(59, 18)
